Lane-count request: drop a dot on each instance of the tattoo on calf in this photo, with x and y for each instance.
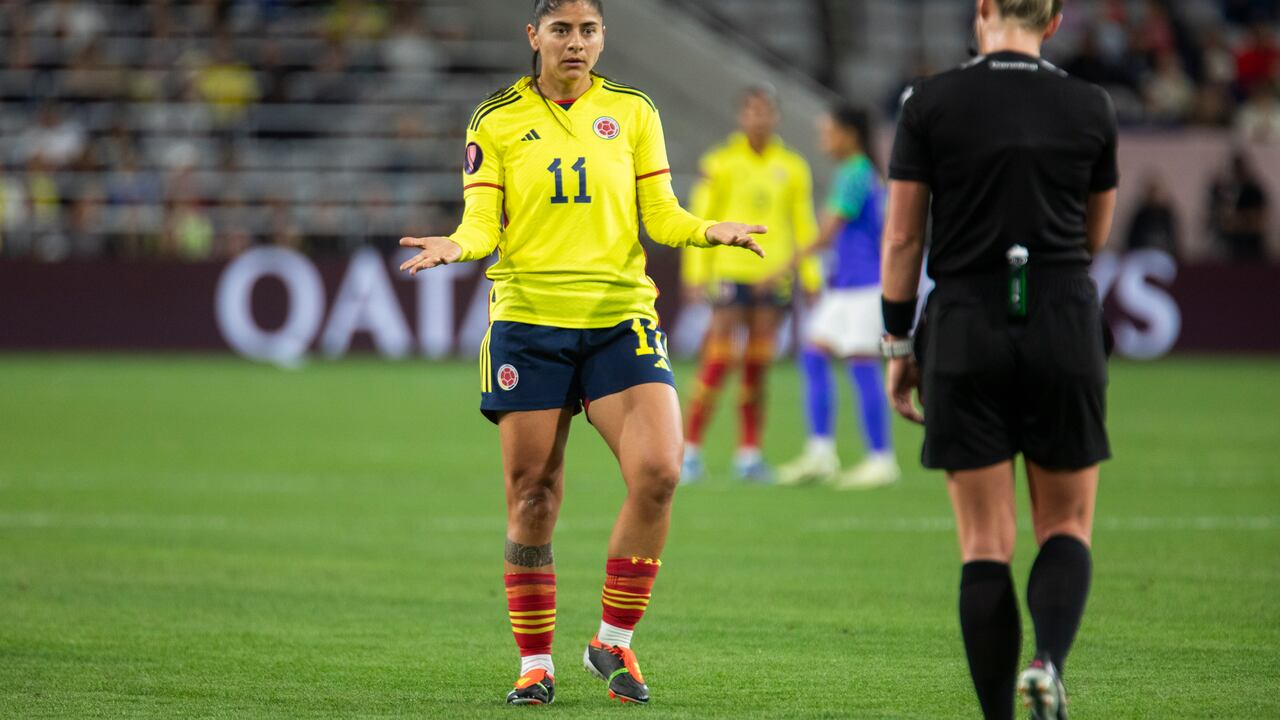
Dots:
(529, 556)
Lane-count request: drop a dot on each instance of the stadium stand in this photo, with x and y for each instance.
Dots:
(195, 128)
(1190, 62)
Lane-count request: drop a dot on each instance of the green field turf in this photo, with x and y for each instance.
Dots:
(209, 538)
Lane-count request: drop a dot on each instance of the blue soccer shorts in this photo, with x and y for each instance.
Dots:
(535, 367)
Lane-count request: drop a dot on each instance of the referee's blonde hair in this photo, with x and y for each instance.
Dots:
(1035, 14)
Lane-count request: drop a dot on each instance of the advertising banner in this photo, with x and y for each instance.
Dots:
(276, 305)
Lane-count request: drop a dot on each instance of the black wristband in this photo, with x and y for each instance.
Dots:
(899, 316)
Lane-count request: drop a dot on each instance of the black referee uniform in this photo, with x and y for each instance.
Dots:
(1011, 148)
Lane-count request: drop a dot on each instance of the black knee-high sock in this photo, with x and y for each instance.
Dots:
(1056, 594)
(992, 634)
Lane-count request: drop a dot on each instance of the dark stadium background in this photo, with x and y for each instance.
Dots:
(147, 146)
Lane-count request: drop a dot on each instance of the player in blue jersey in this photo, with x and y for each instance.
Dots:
(846, 325)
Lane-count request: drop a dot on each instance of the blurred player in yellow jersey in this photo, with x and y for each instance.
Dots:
(559, 170)
(753, 176)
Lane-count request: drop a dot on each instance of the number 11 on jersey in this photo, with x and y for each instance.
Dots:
(579, 167)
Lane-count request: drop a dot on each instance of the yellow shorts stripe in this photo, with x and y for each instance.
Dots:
(485, 363)
(522, 631)
(531, 613)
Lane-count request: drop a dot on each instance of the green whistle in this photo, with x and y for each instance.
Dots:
(1018, 257)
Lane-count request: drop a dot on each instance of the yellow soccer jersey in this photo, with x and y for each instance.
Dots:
(560, 193)
(773, 188)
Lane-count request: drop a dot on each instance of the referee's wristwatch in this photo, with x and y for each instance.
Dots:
(895, 349)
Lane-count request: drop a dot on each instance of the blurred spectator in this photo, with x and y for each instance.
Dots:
(1091, 65)
(13, 214)
(1155, 34)
(355, 19)
(1154, 224)
(1217, 59)
(331, 81)
(1258, 62)
(1243, 12)
(277, 78)
(44, 204)
(1238, 212)
(327, 229)
(43, 197)
(410, 149)
(89, 77)
(76, 23)
(84, 226)
(17, 50)
(1113, 33)
(136, 198)
(1259, 120)
(226, 84)
(1215, 99)
(1170, 94)
(189, 232)
(410, 53)
(233, 225)
(284, 229)
(56, 139)
(159, 18)
(381, 224)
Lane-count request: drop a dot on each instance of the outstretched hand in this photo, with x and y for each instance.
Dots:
(737, 235)
(435, 251)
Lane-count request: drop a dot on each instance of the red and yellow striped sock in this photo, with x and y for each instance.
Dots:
(755, 368)
(715, 364)
(531, 604)
(628, 586)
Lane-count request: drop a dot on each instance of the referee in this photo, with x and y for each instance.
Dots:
(1019, 161)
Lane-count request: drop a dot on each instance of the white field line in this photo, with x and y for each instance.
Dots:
(1207, 523)
(935, 524)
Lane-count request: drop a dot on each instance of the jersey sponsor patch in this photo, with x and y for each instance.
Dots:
(474, 159)
(608, 128)
(1015, 65)
(508, 377)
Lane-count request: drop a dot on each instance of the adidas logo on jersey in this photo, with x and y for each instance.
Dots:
(533, 135)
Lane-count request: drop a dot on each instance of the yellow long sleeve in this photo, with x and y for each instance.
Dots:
(481, 227)
(665, 220)
(483, 188)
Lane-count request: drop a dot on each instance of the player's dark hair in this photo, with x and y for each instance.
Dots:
(541, 9)
(857, 121)
(764, 91)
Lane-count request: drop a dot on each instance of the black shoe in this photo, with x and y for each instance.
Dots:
(618, 667)
(1041, 690)
(535, 687)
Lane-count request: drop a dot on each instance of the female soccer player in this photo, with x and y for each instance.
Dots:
(556, 166)
(846, 323)
(752, 175)
(1020, 162)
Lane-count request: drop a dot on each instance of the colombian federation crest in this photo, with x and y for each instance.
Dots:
(608, 128)
(508, 377)
(474, 160)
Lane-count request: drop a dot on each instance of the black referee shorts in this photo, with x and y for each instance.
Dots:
(995, 387)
